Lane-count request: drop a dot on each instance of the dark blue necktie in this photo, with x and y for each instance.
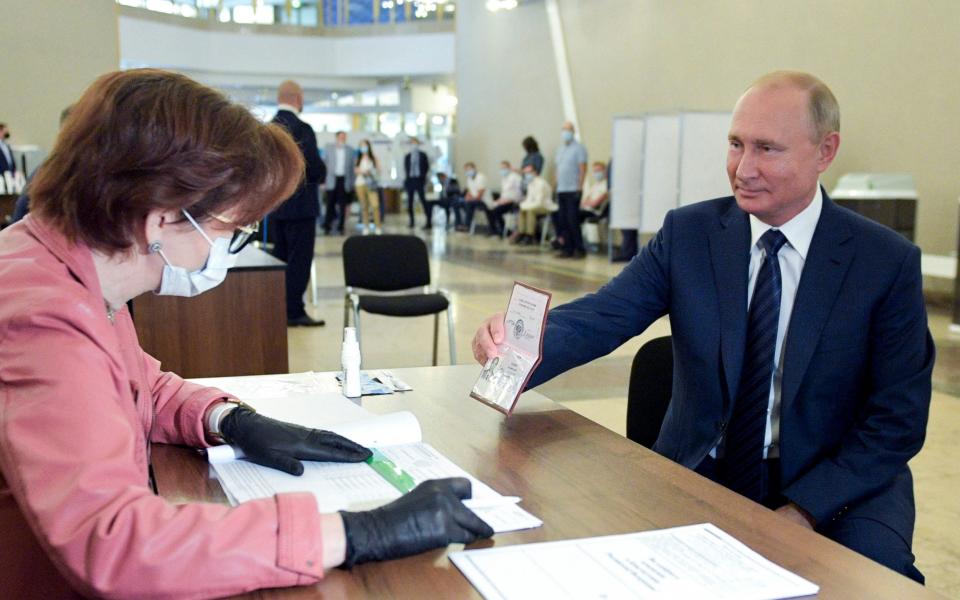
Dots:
(743, 448)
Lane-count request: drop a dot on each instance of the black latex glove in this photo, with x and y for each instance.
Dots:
(278, 445)
(430, 516)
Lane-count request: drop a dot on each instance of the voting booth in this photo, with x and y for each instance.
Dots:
(887, 198)
(665, 160)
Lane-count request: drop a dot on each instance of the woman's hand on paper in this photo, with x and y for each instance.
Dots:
(487, 338)
(281, 446)
(430, 516)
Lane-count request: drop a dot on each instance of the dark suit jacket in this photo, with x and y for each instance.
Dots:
(4, 164)
(858, 359)
(305, 202)
(424, 164)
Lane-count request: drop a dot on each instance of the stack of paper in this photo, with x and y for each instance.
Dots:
(696, 561)
(401, 459)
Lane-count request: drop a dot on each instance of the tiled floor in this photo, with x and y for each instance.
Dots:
(479, 271)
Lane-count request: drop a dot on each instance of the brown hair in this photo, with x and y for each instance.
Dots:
(145, 140)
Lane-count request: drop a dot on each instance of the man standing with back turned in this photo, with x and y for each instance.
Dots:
(295, 222)
(802, 358)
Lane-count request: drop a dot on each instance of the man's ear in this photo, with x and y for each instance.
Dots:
(827, 151)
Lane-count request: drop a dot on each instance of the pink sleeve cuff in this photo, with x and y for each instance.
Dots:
(190, 416)
(299, 543)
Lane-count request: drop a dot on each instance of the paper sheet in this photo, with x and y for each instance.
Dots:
(355, 486)
(696, 561)
(314, 400)
(260, 387)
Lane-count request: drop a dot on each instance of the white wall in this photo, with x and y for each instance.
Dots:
(52, 50)
(892, 65)
(149, 42)
(507, 85)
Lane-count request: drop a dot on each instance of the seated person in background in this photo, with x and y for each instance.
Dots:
(802, 358)
(449, 197)
(477, 196)
(593, 204)
(511, 195)
(538, 202)
(149, 188)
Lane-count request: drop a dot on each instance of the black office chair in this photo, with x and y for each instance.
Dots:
(388, 264)
(651, 386)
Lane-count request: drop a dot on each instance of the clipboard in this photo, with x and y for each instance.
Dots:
(505, 376)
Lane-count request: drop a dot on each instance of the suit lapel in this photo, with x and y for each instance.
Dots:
(830, 255)
(730, 255)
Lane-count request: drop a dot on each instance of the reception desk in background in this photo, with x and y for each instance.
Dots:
(237, 328)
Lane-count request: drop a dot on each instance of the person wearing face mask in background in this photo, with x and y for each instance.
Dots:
(571, 170)
(477, 196)
(538, 201)
(596, 194)
(367, 187)
(511, 195)
(164, 209)
(532, 156)
(7, 164)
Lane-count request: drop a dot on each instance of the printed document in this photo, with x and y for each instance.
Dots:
(504, 376)
(400, 461)
(696, 561)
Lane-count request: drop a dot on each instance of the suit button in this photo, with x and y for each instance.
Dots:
(722, 426)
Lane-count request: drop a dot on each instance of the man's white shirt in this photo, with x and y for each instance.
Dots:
(792, 256)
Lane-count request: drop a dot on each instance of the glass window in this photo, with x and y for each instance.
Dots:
(306, 13)
(328, 121)
(389, 97)
(263, 14)
(361, 12)
(390, 124)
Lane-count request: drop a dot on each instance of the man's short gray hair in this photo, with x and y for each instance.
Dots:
(823, 107)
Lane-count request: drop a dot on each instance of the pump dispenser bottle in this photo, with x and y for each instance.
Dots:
(350, 361)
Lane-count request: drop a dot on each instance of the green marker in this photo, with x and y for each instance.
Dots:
(394, 475)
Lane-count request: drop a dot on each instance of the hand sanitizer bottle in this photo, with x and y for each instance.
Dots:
(350, 360)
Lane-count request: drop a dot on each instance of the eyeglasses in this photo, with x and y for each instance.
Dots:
(241, 235)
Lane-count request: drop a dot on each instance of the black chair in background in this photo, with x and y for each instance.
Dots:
(651, 386)
(393, 266)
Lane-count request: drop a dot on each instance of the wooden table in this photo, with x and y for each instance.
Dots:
(237, 328)
(581, 479)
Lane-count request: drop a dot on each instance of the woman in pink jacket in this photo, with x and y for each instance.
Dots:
(148, 188)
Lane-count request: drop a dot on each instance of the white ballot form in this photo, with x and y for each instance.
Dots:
(504, 376)
(695, 561)
(400, 461)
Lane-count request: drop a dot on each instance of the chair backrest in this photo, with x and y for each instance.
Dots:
(651, 386)
(385, 263)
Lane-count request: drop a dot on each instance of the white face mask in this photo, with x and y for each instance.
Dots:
(177, 281)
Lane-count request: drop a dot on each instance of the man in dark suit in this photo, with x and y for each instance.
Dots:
(294, 223)
(340, 179)
(416, 167)
(6, 154)
(802, 358)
